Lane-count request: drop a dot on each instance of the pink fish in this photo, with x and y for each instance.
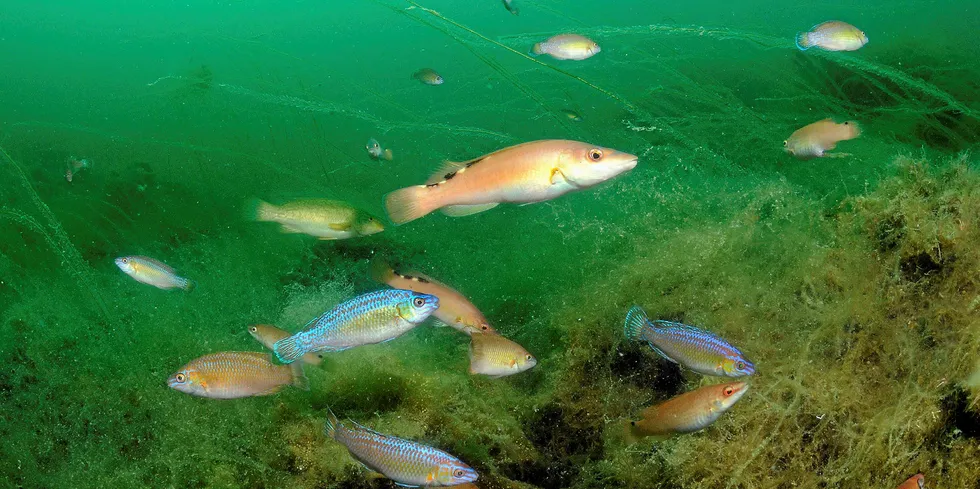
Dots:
(522, 174)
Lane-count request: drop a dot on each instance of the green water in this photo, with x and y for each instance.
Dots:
(852, 283)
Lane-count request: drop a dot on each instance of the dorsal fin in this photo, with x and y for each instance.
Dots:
(448, 170)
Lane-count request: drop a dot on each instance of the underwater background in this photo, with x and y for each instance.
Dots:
(852, 283)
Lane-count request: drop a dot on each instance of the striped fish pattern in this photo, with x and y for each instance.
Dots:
(405, 462)
(370, 318)
(686, 345)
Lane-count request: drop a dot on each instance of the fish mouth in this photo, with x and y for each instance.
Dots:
(469, 475)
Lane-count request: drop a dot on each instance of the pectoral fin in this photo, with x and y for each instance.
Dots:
(340, 226)
(467, 210)
(557, 176)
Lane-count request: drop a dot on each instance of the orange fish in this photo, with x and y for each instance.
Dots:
(688, 412)
(814, 140)
(235, 374)
(454, 308)
(917, 481)
(523, 174)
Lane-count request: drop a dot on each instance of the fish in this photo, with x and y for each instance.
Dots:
(405, 462)
(322, 218)
(917, 481)
(375, 317)
(236, 374)
(454, 310)
(513, 9)
(814, 140)
(268, 335)
(833, 35)
(496, 356)
(567, 46)
(374, 149)
(530, 172)
(152, 272)
(572, 115)
(686, 345)
(688, 412)
(428, 76)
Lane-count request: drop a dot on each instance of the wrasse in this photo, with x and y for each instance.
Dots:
(686, 345)
(688, 412)
(405, 462)
(526, 173)
(235, 374)
(323, 218)
(833, 35)
(496, 356)
(428, 76)
(454, 309)
(370, 318)
(374, 149)
(814, 140)
(917, 481)
(567, 46)
(268, 335)
(152, 272)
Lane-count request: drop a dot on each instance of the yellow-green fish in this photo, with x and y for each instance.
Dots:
(454, 308)
(572, 115)
(531, 172)
(428, 76)
(496, 356)
(814, 140)
(323, 218)
(235, 374)
(268, 335)
(405, 462)
(567, 46)
(833, 35)
(152, 272)
(688, 412)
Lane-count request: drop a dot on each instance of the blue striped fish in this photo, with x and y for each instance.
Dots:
(686, 345)
(405, 462)
(370, 318)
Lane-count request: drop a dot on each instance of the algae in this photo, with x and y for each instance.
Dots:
(851, 283)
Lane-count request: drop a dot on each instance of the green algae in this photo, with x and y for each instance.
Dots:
(851, 283)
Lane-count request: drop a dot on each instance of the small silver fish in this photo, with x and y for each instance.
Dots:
(567, 46)
(513, 9)
(374, 149)
(152, 272)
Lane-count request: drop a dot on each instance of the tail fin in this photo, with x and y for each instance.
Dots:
(332, 424)
(299, 378)
(803, 41)
(408, 204)
(288, 350)
(536, 50)
(259, 210)
(636, 320)
(381, 271)
(188, 285)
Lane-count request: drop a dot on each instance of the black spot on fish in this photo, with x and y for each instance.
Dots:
(449, 175)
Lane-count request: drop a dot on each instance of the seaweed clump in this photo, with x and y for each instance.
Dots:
(861, 322)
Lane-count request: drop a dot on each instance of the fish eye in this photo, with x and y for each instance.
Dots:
(253, 329)
(485, 327)
(181, 378)
(124, 260)
(740, 365)
(528, 357)
(418, 302)
(785, 143)
(458, 473)
(595, 154)
(846, 122)
(729, 391)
